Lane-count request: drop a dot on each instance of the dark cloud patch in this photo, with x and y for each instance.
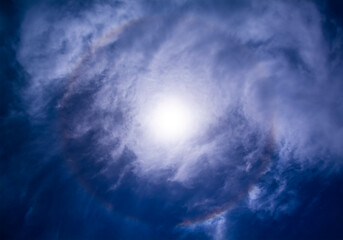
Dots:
(312, 218)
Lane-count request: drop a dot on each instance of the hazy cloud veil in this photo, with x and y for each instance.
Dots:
(265, 83)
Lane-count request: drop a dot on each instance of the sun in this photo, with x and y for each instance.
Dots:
(171, 119)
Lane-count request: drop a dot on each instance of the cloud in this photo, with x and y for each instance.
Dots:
(53, 40)
(260, 76)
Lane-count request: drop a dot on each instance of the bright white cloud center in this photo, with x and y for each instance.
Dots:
(171, 120)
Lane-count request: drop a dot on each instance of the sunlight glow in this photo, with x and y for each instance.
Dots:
(171, 120)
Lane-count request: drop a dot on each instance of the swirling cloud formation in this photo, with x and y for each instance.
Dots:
(261, 80)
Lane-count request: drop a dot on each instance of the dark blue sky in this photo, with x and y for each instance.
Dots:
(264, 82)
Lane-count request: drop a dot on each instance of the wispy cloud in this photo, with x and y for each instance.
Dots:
(260, 75)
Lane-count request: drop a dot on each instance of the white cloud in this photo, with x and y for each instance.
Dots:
(262, 71)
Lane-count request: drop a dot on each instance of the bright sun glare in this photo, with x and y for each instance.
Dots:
(171, 120)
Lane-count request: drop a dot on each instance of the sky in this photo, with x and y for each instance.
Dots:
(184, 119)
